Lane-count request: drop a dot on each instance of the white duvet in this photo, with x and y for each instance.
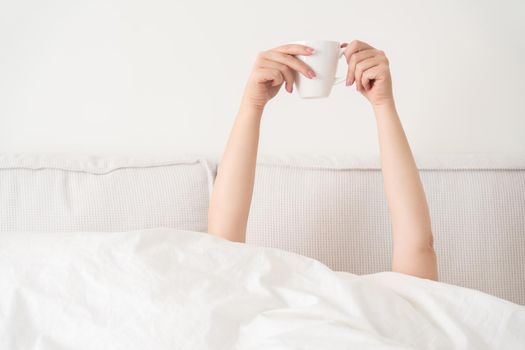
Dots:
(172, 289)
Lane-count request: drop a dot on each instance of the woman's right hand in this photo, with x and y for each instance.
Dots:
(272, 68)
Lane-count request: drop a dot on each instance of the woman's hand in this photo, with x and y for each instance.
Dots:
(368, 68)
(273, 68)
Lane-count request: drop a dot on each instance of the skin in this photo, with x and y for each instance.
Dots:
(368, 70)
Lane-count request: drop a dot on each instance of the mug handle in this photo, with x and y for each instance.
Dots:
(338, 80)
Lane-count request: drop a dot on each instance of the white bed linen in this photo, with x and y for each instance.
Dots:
(175, 289)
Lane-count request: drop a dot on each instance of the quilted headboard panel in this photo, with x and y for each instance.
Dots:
(64, 193)
(335, 211)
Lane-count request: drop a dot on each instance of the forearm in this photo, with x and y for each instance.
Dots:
(233, 187)
(411, 227)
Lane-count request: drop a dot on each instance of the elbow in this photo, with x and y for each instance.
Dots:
(419, 261)
(234, 233)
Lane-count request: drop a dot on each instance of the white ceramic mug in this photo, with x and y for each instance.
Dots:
(324, 63)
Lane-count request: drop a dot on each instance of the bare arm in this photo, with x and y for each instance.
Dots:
(233, 187)
(232, 191)
(413, 251)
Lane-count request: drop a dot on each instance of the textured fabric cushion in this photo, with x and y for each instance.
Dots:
(335, 210)
(66, 193)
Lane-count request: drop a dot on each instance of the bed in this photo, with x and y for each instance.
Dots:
(112, 252)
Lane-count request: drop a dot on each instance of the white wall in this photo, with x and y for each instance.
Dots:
(110, 76)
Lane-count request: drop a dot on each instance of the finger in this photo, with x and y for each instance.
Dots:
(291, 61)
(352, 48)
(295, 49)
(285, 71)
(354, 60)
(269, 75)
(355, 46)
(363, 66)
(370, 75)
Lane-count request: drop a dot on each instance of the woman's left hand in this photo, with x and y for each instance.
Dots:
(369, 69)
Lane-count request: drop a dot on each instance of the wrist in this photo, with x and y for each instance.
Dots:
(387, 107)
(248, 107)
(248, 110)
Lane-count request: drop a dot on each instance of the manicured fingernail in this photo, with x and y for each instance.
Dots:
(311, 74)
(310, 50)
(348, 82)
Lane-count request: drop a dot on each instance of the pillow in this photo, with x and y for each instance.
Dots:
(84, 193)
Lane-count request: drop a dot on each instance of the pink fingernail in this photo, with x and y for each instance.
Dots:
(311, 74)
(310, 50)
(348, 82)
